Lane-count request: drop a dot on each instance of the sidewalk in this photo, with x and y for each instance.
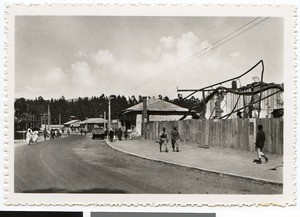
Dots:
(224, 161)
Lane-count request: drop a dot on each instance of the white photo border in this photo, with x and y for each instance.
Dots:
(288, 198)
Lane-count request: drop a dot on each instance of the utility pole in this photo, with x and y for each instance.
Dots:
(59, 119)
(144, 117)
(261, 86)
(109, 113)
(104, 119)
(42, 117)
(49, 118)
(44, 120)
(86, 126)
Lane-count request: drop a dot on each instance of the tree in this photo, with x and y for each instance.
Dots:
(88, 107)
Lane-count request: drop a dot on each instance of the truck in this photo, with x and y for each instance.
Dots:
(98, 133)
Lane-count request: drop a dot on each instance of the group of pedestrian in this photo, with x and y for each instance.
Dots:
(54, 133)
(119, 134)
(83, 131)
(259, 143)
(31, 136)
(163, 140)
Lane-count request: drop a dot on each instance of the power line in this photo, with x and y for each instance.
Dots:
(227, 41)
(196, 55)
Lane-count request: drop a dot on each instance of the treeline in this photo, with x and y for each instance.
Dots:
(82, 108)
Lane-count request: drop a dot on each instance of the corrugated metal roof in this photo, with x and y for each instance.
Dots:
(56, 126)
(94, 121)
(71, 122)
(154, 104)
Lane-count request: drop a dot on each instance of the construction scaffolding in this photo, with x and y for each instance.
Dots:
(245, 101)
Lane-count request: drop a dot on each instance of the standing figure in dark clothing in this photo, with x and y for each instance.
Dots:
(125, 134)
(259, 144)
(45, 133)
(105, 133)
(111, 135)
(52, 134)
(174, 139)
(163, 140)
(119, 134)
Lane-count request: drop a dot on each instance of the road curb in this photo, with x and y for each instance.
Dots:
(196, 168)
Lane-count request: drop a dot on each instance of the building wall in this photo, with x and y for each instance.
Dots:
(239, 134)
(227, 105)
(156, 118)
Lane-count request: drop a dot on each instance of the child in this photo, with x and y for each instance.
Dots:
(259, 144)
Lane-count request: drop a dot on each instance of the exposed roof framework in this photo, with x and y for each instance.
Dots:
(251, 90)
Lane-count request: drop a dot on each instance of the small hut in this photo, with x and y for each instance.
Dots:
(157, 110)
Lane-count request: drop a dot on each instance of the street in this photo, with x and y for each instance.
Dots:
(78, 164)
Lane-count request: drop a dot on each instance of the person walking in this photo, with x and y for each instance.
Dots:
(163, 140)
(105, 133)
(259, 144)
(68, 132)
(174, 139)
(29, 136)
(125, 134)
(45, 133)
(111, 135)
(52, 134)
(120, 134)
(35, 136)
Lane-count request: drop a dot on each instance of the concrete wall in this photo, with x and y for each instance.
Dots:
(238, 134)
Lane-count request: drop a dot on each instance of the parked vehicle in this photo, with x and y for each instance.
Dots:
(98, 133)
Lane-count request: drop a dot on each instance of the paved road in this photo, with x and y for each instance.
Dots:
(81, 165)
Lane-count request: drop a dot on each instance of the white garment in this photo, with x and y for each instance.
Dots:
(29, 136)
(35, 136)
(260, 153)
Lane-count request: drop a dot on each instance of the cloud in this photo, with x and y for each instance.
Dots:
(168, 42)
(235, 55)
(104, 57)
(205, 44)
(172, 50)
(154, 74)
(56, 76)
(81, 75)
(80, 54)
(51, 83)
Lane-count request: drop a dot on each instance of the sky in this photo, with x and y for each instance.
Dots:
(79, 56)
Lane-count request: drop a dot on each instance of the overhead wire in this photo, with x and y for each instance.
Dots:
(196, 55)
(191, 58)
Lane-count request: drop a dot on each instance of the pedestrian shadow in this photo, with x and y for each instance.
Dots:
(85, 191)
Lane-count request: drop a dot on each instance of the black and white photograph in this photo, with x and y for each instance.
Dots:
(131, 104)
